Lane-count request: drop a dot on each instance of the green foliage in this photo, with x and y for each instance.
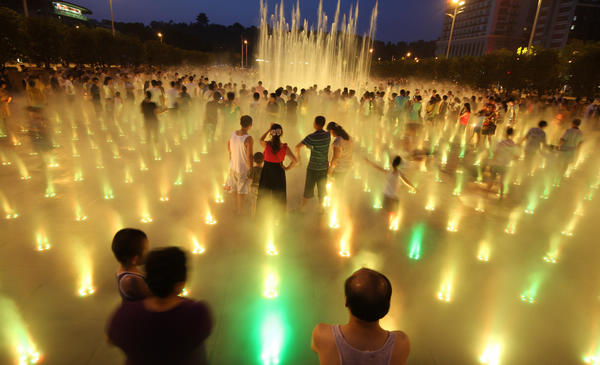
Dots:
(46, 40)
(12, 35)
(575, 67)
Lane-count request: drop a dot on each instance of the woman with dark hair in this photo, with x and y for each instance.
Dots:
(465, 115)
(341, 162)
(272, 181)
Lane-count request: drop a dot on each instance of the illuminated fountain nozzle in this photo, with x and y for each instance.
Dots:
(42, 243)
(28, 355)
(210, 220)
(445, 293)
(592, 360)
(271, 287)
(146, 219)
(551, 258)
(184, 292)
(86, 288)
(528, 298)
(491, 354)
(271, 249)
(12, 215)
(219, 198)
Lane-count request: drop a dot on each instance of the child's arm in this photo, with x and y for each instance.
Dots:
(406, 182)
(375, 165)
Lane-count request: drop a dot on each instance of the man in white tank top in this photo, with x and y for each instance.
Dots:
(362, 341)
(240, 147)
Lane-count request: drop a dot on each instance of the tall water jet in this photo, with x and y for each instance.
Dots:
(299, 55)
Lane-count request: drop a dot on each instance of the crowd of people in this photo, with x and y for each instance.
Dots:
(155, 324)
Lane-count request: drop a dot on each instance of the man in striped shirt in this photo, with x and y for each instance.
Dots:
(318, 165)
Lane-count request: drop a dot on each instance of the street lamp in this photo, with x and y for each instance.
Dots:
(245, 53)
(408, 54)
(371, 50)
(457, 4)
(535, 20)
(112, 18)
(160, 35)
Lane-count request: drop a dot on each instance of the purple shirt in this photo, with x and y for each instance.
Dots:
(174, 337)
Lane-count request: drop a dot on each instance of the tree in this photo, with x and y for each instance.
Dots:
(12, 35)
(45, 37)
(202, 20)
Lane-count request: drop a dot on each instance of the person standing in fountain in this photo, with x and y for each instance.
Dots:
(362, 341)
(150, 111)
(212, 116)
(318, 165)
(272, 181)
(240, 147)
(341, 162)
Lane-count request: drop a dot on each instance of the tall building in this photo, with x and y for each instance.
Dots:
(563, 20)
(484, 26)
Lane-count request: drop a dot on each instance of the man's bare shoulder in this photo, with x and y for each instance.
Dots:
(401, 349)
(322, 334)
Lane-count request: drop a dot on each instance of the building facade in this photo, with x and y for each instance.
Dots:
(561, 21)
(484, 26)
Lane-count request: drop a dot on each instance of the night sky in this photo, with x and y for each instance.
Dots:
(399, 20)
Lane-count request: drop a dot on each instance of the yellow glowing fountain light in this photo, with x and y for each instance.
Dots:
(86, 286)
(484, 252)
(445, 293)
(14, 332)
(209, 219)
(592, 359)
(551, 256)
(568, 231)
(271, 287)
(333, 219)
(164, 190)
(513, 219)
(491, 354)
(144, 211)
(345, 242)
(43, 244)
(9, 212)
(480, 206)
(394, 221)
(219, 196)
(327, 197)
(128, 175)
(197, 248)
(453, 223)
(23, 172)
(79, 215)
(430, 207)
(185, 292)
(271, 249)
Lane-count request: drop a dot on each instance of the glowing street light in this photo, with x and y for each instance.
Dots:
(160, 36)
(457, 4)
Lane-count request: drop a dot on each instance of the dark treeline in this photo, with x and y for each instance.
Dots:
(46, 40)
(574, 67)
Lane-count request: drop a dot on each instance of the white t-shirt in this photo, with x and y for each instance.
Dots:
(505, 152)
(156, 93)
(391, 184)
(171, 97)
(239, 156)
